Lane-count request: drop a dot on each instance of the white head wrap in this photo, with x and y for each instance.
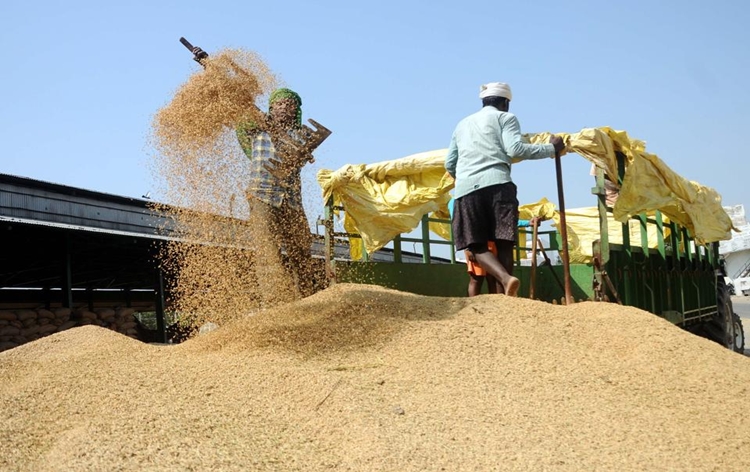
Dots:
(495, 89)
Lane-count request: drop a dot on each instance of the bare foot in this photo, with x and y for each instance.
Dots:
(511, 288)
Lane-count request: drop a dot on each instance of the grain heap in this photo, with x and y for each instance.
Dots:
(204, 174)
(364, 378)
(21, 326)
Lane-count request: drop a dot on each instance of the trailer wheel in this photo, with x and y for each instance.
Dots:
(739, 334)
(726, 313)
(721, 327)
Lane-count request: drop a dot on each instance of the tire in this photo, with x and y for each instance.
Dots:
(739, 334)
(721, 327)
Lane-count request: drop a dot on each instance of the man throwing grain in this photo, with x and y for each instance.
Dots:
(275, 198)
(479, 157)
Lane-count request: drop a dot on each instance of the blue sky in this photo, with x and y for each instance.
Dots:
(82, 80)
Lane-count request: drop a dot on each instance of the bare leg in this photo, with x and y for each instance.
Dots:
(493, 286)
(492, 265)
(475, 284)
(505, 256)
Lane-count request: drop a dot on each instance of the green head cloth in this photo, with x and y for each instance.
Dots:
(282, 93)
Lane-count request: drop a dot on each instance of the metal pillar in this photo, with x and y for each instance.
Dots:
(90, 297)
(47, 296)
(602, 281)
(159, 293)
(627, 295)
(425, 239)
(601, 203)
(397, 258)
(67, 282)
(328, 241)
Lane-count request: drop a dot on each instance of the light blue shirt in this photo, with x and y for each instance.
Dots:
(484, 145)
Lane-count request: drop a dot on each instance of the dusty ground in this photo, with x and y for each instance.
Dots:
(362, 378)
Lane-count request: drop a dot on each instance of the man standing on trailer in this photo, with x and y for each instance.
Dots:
(479, 158)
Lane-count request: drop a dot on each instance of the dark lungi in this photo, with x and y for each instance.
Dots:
(490, 213)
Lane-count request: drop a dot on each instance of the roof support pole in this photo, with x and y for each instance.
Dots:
(159, 293)
(67, 282)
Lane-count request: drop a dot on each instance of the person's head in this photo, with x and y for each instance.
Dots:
(285, 107)
(496, 94)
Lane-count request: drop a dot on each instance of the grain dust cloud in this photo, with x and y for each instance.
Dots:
(214, 272)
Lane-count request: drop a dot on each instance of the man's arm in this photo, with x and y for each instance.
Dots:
(514, 145)
(452, 157)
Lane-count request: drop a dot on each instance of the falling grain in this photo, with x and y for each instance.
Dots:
(218, 270)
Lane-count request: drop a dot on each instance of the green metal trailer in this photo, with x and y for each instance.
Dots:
(678, 279)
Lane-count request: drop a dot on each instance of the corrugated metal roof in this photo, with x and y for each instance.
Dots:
(66, 189)
(34, 202)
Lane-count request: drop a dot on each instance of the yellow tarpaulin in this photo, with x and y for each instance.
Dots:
(583, 229)
(388, 198)
(650, 184)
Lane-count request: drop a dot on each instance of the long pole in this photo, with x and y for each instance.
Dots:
(563, 232)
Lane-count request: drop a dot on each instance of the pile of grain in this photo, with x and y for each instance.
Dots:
(363, 378)
(21, 326)
(203, 175)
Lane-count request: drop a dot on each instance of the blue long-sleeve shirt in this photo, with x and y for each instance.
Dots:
(484, 145)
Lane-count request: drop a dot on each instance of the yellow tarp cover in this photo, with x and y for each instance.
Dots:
(388, 198)
(583, 229)
(650, 184)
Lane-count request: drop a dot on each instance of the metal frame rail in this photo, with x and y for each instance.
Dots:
(675, 280)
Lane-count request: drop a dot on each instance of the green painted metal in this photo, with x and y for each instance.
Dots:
(676, 282)
(328, 239)
(451, 280)
(660, 236)
(601, 201)
(628, 295)
(397, 249)
(601, 246)
(643, 219)
(425, 239)
(453, 253)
